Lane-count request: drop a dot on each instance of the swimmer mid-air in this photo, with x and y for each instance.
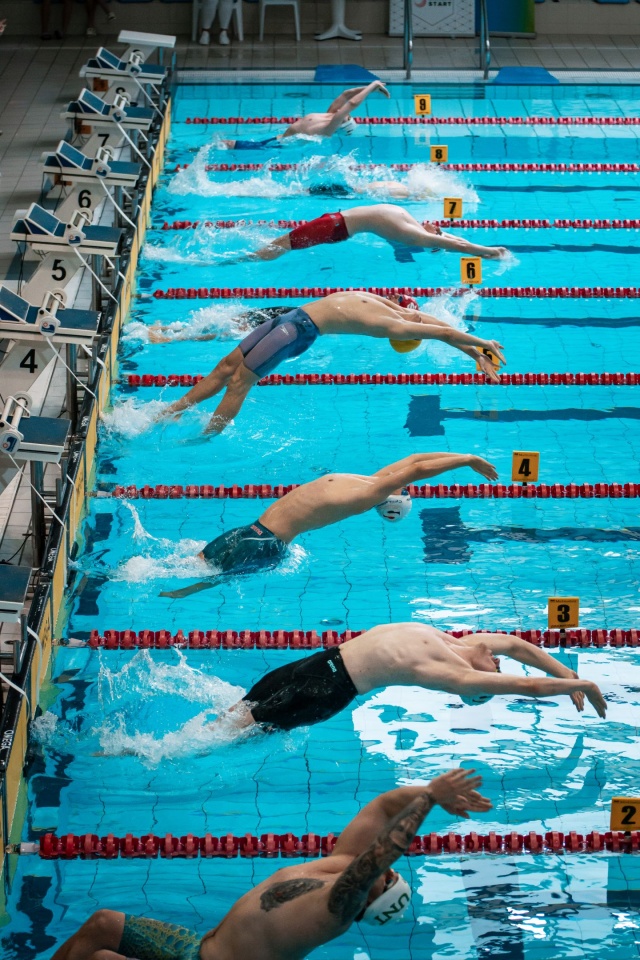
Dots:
(289, 335)
(301, 907)
(317, 124)
(319, 686)
(336, 496)
(385, 220)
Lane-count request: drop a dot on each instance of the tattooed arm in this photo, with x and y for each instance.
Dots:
(455, 791)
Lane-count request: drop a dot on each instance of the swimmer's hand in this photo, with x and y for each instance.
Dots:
(498, 253)
(595, 698)
(487, 367)
(457, 792)
(156, 335)
(187, 591)
(379, 85)
(483, 467)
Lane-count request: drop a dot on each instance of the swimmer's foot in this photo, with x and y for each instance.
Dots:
(156, 336)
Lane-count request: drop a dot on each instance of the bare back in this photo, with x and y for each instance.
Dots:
(265, 924)
(329, 499)
(366, 314)
(407, 654)
(312, 124)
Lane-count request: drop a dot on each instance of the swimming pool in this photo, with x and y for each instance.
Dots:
(458, 564)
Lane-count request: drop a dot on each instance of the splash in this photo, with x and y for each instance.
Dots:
(226, 321)
(170, 560)
(505, 263)
(139, 532)
(144, 675)
(435, 182)
(130, 418)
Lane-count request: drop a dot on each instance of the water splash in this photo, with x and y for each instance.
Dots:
(130, 418)
(225, 320)
(170, 560)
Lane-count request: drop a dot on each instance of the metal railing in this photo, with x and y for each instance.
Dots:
(408, 38)
(485, 43)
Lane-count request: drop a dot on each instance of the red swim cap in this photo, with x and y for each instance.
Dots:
(409, 302)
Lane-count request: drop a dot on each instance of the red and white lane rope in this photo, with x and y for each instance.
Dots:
(311, 640)
(467, 224)
(269, 293)
(456, 491)
(90, 846)
(437, 121)
(427, 379)
(462, 167)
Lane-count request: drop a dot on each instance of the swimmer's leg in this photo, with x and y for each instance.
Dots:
(187, 591)
(98, 938)
(275, 249)
(211, 384)
(235, 395)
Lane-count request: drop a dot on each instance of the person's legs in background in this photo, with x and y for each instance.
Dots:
(45, 13)
(209, 9)
(91, 14)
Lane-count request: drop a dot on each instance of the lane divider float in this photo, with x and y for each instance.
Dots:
(436, 121)
(90, 846)
(311, 640)
(455, 491)
(463, 167)
(253, 293)
(468, 224)
(136, 380)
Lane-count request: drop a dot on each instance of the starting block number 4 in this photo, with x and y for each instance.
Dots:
(452, 207)
(439, 153)
(625, 813)
(563, 613)
(525, 465)
(422, 103)
(471, 270)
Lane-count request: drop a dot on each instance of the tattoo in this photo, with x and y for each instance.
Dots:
(350, 891)
(279, 893)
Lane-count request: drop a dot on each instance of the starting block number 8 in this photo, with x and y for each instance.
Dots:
(422, 103)
(625, 813)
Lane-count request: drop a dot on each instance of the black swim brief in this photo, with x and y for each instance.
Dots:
(303, 692)
(145, 939)
(276, 340)
(245, 549)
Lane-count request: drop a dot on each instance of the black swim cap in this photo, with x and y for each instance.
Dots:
(329, 190)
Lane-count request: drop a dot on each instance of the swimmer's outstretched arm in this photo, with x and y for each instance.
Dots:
(433, 329)
(474, 682)
(424, 466)
(446, 241)
(357, 95)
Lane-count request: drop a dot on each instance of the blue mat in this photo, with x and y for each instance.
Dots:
(525, 75)
(342, 73)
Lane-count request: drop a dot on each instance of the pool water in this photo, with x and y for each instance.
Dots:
(456, 563)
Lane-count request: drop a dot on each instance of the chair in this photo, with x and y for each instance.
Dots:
(280, 3)
(236, 11)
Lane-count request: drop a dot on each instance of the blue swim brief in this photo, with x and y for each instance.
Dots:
(257, 144)
(147, 939)
(277, 340)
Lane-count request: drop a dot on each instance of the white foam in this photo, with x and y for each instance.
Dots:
(130, 417)
(169, 559)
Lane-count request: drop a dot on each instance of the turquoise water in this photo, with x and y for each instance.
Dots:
(455, 564)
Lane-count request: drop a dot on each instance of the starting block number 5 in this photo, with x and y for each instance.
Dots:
(563, 613)
(422, 104)
(625, 813)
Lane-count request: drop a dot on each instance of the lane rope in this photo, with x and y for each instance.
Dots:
(90, 846)
(436, 121)
(253, 293)
(468, 224)
(311, 640)
(463, 167)
(456, 491)
(135, 380)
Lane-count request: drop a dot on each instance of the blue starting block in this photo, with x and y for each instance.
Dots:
(71, 164)
(20, 320)
(45, 233)
(107, 66)
(14, 584)
(31, 438)
(92, 109)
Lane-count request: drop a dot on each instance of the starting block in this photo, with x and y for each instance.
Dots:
(14, 584)
(20, 320)
(31, 438)
(107, 66)
(71, 164)
(91, 110)
(45, 234)
(146, 44)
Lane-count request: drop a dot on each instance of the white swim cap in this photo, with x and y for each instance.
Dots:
(390, 906)
(347, 126)
(478, 699)
(395, 507)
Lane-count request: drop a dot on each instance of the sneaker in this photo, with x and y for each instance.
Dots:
(223, 39)
(91, 32)
(110, 16)
(204, 38)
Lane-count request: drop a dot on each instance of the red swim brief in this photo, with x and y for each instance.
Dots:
(329, 228)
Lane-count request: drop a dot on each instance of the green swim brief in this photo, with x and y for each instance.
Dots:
(145, 939)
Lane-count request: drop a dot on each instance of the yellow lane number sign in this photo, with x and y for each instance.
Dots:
(452, 207)
(439, 153)
(525, 466)
(625, 813)
(563, 613)
(422, 104)
(471, 270)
